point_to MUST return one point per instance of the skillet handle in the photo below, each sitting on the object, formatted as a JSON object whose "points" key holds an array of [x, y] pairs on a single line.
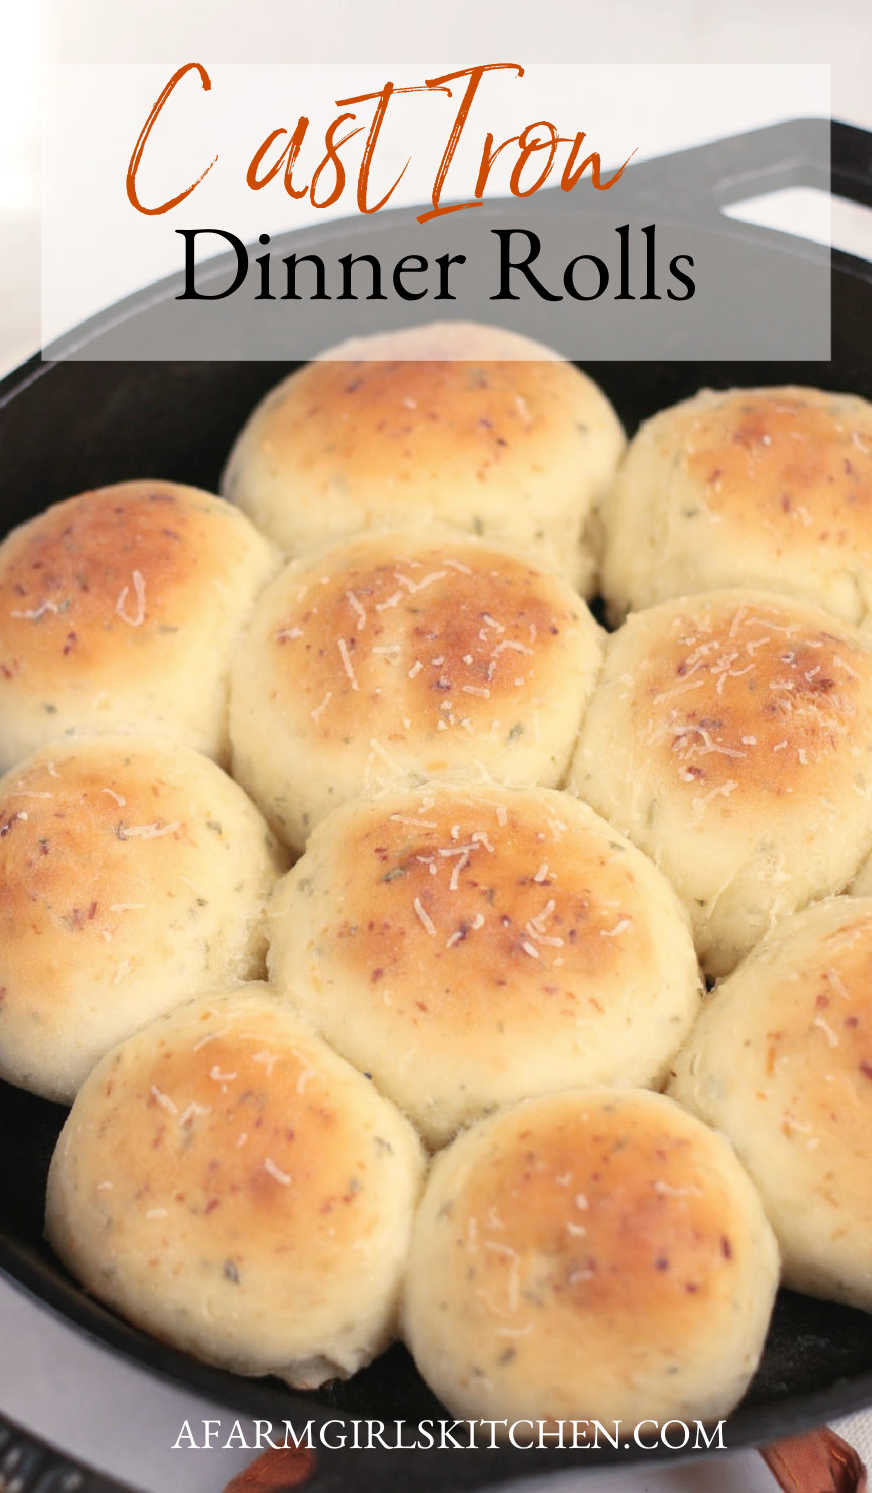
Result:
{"points": [[852, 163], [32, 1466], [699, 182]]}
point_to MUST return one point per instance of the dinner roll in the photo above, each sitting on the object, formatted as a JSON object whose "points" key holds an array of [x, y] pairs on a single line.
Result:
{"points": [[118, 610], [132, 875], [390, 655], [761, 487], [781, 1060], [861, 886], [595, 1255], [229, 1184], [472, 425], [731, 738], [470, 947]]}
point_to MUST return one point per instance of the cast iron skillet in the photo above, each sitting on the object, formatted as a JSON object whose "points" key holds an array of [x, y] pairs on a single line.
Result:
{"points": [[64, 428]]}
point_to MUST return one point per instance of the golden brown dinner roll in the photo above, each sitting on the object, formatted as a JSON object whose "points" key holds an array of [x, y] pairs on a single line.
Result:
{"points": [[781, 1060], [485, 430], [730, 737], [118, 610], [132, 875], [757, 487], [861, 886], [597, 1254], [469, 947], [393, 654], [229, 1184]]}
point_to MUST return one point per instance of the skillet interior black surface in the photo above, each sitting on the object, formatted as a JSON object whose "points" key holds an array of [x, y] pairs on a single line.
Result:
{"points": [[64, 428]]}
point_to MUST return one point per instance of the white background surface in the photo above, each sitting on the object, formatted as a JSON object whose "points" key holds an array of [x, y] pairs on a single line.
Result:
{"points": [[52, 1379], [166, 32]]}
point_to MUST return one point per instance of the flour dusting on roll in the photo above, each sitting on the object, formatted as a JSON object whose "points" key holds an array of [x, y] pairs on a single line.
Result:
{"points": [[229, 1184], [399, 654], [781, 1061], [755, 487], [132, 876], [595, 1255], [473, 426], [730, 736], [118, 612], [473, 946]]}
